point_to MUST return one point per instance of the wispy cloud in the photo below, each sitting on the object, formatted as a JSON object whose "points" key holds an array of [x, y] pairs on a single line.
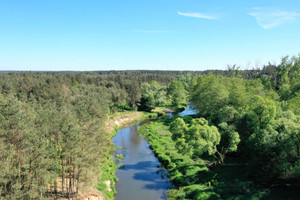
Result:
{"points": [[197, 15], [269, 18]]}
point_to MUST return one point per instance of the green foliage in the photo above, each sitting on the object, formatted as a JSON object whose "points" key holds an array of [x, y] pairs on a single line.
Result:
{"points": [[177, 93], [152, 95], [247, 124], [192, 178], [264, 108], [294, 104], [209, 95], [230, 138], [197, 138], [257, 118], [296, 169], [227, 114], [251, 120], [108, 170]]}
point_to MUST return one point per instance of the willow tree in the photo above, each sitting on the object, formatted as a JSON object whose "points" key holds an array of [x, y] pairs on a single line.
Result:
{"points": [[196, 138]]}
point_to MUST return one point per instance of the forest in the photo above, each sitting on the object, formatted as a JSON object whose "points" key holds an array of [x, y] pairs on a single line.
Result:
{"points": [[53, 137]]}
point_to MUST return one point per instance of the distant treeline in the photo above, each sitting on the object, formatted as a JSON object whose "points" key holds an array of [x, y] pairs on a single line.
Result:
{"points": [[249, 72], [232, 70]]}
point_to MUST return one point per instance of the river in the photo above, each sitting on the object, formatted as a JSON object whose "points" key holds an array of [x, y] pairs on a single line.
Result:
{"points": [[140, 176]]}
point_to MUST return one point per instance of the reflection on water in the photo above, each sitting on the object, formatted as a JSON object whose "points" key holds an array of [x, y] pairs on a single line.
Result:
{"points": [[188, 111], [139, 176]]}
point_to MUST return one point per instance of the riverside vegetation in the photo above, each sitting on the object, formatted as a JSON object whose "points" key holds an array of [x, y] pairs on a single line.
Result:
{"points": [[54, 140], [244, 143]]}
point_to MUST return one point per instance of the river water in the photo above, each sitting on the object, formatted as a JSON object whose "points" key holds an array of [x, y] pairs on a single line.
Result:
{"points": [[140, 176]]}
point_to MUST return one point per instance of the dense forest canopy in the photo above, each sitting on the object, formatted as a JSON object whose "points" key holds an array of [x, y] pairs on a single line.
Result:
{"points": [[52, 125], [246, 127]]}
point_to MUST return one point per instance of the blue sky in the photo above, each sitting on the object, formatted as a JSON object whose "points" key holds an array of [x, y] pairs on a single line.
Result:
{"points": [[146, 34]]}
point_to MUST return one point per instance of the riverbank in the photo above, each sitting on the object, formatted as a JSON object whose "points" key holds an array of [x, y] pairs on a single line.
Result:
{"points": [[122, 119]]}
